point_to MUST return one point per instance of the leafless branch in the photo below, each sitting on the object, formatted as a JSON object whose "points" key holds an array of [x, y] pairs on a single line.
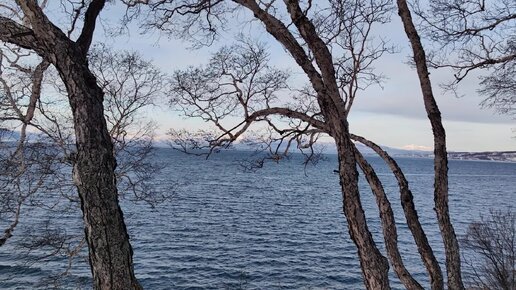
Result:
{"points": [[493, 240], [475, 36]]}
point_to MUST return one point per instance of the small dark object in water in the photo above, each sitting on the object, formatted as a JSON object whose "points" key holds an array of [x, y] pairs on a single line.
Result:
{"points": [[336, 171]]}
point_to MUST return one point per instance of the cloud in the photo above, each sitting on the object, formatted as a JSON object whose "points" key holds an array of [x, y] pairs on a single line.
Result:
{"points": [[401, 96]]}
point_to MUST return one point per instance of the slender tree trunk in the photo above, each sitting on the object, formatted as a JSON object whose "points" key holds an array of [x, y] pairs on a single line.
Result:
{"points": [[451, 245], [390, 233], [110, 253], [374, 265], [411, 216]]}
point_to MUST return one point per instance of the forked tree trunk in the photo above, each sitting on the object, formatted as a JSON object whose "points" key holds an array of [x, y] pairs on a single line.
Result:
{"points": [[374, 265], [451, 245]]}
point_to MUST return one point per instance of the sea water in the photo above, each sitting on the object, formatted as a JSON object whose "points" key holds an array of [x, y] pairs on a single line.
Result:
{"points": [[279, 227]]}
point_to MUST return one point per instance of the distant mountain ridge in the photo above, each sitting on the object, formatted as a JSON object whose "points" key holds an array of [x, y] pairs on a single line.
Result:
{"points": [[507, 156], [329, 148], [502, 156]]}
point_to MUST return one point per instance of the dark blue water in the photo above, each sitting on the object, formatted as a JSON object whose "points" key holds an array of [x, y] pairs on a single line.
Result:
{"points": [[281, 227]]}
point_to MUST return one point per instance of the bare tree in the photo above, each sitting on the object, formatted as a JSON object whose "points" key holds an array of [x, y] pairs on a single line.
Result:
{"points": [[493, 240], [25, 164], [475, 35], [238, 82], [130, 84], [24, 24]]}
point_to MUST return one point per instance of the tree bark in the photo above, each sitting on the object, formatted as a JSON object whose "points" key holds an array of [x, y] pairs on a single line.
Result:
{"points": [[390, 233], [110, 253], [451, 245], [375, 266]]}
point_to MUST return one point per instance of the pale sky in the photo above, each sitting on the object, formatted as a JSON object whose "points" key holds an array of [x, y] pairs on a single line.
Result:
{"points": [[393, 116]]}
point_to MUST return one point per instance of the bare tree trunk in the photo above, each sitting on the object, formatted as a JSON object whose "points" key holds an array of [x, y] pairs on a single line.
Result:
{"points": [[110, 253], [375, 266], [411, 216], [390, 233], [451, 245]]}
